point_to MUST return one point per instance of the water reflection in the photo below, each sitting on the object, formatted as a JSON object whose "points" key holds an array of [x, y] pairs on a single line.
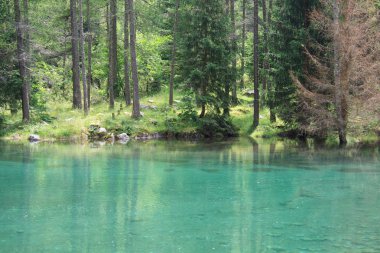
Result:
{"points": [[233, 196]]}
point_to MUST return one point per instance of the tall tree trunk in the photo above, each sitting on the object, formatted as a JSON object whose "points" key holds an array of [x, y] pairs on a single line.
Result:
{"points": [[64, 55], [113, 53], [265, 62], [83, 58], [26, 35], [77, 96], [272, 114], [243, 45], [270, 12], [233, 50], [339, 93], [227, 87], [174, 51], [136, 99], [203, 104], [22, 61], [89, 54], [127, 85], [256, 103], [108, 44]]}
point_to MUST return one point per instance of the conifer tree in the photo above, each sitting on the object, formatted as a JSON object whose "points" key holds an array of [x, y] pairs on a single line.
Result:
{"points": [[77, 96], [204, 52]]}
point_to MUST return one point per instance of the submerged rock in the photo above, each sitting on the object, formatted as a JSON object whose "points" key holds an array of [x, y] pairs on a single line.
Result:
{"points": [[122, 137], [34, 138], [146, 136]]}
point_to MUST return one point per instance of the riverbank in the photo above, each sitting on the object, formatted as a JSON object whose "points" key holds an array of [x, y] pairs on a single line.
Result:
{"points": [[60, 123]]}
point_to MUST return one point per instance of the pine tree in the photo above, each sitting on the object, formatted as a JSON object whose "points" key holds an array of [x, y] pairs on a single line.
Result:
{"points": [[256, 102], [204, 52], [77, 96], [22, 45], [83, 58], [289, 31], [136, 98], [113, 52], [243, 38], [127, 85], [174, 53], [89, 54], [233, 53]]}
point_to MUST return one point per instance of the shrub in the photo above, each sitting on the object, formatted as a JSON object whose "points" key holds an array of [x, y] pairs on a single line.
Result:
{"points": [[217, 126], [187, 108]]}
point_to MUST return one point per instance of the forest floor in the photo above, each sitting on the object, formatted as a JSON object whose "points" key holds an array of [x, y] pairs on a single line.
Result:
{"points": [[62, 123]]}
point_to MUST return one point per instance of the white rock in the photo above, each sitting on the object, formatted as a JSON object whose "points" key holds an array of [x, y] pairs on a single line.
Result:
{"points": [[102, 130], [122, 137], [34, 138]]}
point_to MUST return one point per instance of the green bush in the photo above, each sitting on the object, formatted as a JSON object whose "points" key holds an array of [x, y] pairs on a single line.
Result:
{"points": [[187, 108], [217, 126], [118, 127]]}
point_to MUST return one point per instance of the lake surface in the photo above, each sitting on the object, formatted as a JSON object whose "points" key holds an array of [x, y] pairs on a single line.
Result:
{"points": [[234, 196]]}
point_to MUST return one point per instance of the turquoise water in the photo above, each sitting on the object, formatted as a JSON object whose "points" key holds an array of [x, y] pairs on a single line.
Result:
{"points": [[159, 196]]}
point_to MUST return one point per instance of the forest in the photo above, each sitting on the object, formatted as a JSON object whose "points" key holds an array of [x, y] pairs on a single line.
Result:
{"points": [[215, 68]]}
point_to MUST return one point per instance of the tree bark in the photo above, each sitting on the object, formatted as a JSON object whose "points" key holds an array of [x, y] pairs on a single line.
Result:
{"points": [[203, 104], [227, 86], [127, 85], [22, 62], [340, 100], [83, 58], [272, 114], [174, 51], [233, 50], [256, 102], [77, 103], [243, 46], [136, 99], [113, 53], [109, 44], [270, 11], [265, 63], [89, 55], [27, 43]]}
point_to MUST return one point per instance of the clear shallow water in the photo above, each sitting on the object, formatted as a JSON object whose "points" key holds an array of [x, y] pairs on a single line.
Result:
{"points": [[187, 197]]}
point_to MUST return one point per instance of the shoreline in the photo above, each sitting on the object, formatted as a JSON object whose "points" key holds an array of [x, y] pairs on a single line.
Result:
{"points": [[192, 136]]}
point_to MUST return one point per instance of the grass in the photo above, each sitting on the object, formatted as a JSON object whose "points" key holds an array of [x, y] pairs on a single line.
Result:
{"points": [[68, 123], [65, 123]]}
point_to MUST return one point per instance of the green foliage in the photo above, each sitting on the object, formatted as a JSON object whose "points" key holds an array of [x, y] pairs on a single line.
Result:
{"points": [[48, 79], [118, 127], [10, 82], [153, 70], [288, 33], [204, 55], [187, 109], [217, 126], [377, 4], [202, 70]]}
